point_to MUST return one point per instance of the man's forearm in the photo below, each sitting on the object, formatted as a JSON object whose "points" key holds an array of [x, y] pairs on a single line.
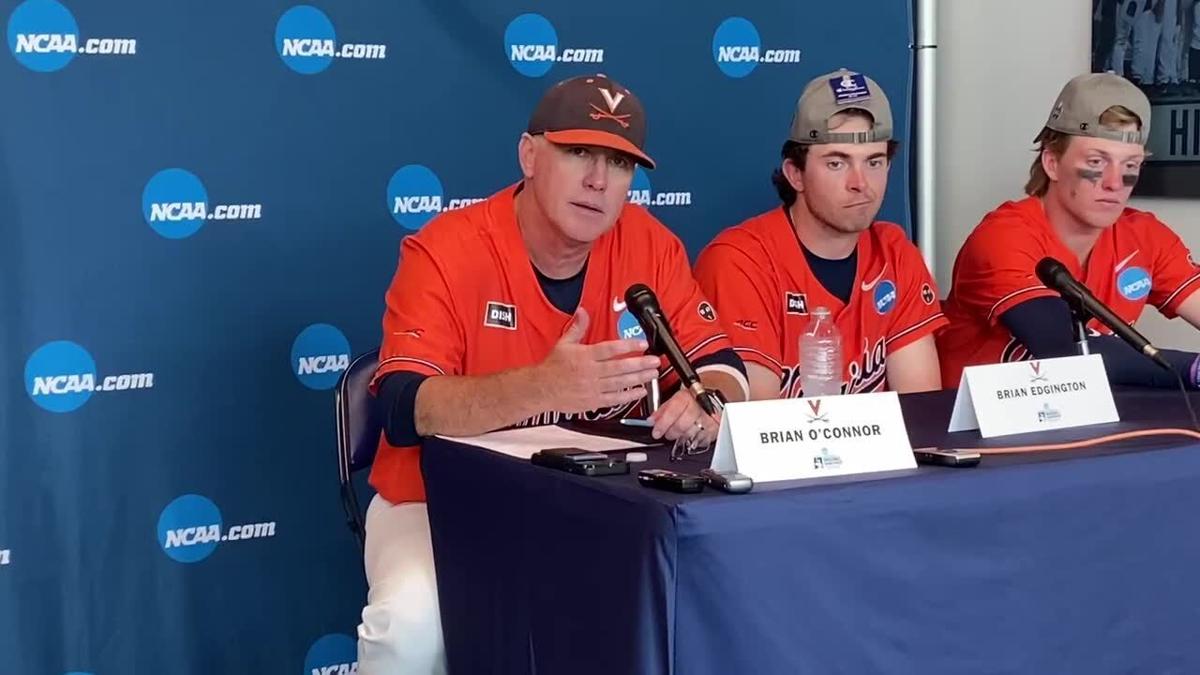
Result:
{"points": [[458, 405], [731, 388]]}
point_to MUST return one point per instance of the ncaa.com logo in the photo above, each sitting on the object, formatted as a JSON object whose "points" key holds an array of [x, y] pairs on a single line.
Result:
{"points": [[737, 48], [307, 42], [60, 376], [414, 196], [531, 44], [190, 527], [333, 654], [44, 37], [642, 194], [320, 353], [175, 205]]}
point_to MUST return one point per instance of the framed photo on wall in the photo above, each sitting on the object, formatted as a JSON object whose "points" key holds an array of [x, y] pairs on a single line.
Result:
{"points": [[1156, 45]]}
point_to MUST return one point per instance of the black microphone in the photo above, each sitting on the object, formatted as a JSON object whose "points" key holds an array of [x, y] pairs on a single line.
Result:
{"points": [[1057, 277], [643, 304]]}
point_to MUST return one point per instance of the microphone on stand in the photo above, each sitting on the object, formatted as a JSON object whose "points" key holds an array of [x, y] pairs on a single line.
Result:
{"points": [[1057, 277], [643, 304]]}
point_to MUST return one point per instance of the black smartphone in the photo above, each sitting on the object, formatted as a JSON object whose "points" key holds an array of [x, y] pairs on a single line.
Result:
{"points": [[733, 483], [947, 457], [672, 481], [579, 461]]}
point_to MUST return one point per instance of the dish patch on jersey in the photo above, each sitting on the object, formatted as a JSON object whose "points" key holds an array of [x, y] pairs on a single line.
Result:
{"points": [[500, 315], [796, 303]]}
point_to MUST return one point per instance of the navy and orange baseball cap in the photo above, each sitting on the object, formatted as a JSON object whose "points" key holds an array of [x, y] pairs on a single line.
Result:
{"points": [[593, 110]]}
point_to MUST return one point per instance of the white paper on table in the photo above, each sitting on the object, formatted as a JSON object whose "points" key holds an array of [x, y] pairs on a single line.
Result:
{"points": [[522, 443]]}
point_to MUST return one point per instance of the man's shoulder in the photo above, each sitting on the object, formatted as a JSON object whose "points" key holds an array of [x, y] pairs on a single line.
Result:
{"points": [[1021, 213], [1013, 226], [751, 236], [638, 230], [894, 244], [1145, 224], [892, 236], [462, 233]]}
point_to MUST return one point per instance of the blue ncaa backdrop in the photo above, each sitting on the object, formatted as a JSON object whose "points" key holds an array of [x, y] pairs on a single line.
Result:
{"points": [[201, 207]]}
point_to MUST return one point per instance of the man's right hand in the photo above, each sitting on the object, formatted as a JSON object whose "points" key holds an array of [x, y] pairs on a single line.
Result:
{"points": [[576, 377]]}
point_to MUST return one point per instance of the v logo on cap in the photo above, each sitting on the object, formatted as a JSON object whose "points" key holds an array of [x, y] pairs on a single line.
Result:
{"points": [[612, 101]]}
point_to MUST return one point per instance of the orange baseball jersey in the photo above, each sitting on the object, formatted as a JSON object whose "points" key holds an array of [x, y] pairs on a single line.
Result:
{"points": [[1137, 260], [760, 281], [465, 300]]}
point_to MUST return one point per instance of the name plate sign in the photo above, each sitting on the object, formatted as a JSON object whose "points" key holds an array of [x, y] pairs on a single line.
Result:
{"points": [[789, 439], [1024, 396]]}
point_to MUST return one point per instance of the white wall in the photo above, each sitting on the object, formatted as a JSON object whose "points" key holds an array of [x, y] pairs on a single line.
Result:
{"points": [[1000, 65]]}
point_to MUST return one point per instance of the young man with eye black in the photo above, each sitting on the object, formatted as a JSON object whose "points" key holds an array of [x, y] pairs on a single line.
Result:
{"points": [[1090, 153]]}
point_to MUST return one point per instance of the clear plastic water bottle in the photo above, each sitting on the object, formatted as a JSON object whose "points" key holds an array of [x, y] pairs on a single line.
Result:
{"points": [[821, 355]]}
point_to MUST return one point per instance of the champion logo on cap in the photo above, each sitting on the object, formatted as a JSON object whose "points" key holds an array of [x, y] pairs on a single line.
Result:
{"points": [[849, 88]]}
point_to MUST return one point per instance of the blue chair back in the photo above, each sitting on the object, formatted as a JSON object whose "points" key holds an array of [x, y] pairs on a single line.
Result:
{"points": [[359, 423]]}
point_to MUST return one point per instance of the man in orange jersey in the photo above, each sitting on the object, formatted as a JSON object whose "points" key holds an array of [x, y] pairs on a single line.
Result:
{"points": [[1089, 156], [511, 312], [823, 248]]}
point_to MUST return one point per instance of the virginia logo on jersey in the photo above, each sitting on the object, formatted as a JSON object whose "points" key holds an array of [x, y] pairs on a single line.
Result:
{"points": [[1134, 283]]}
